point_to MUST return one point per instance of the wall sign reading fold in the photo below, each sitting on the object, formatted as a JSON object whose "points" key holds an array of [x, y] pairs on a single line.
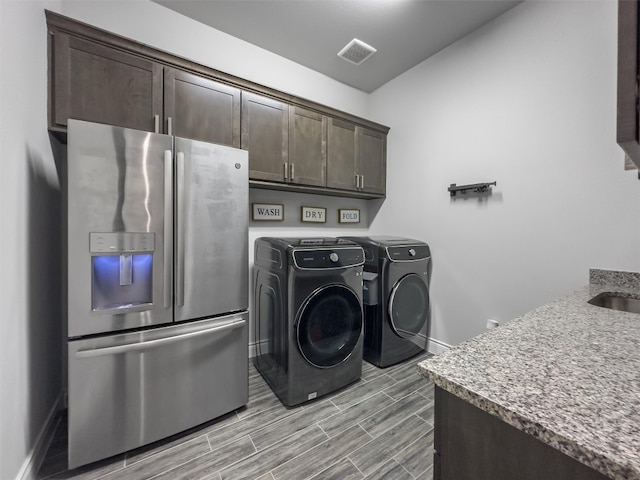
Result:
{"points": [[351, 215]]}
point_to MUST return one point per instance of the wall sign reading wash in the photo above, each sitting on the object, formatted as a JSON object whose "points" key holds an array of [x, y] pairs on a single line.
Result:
{"points": [[267, 211]]}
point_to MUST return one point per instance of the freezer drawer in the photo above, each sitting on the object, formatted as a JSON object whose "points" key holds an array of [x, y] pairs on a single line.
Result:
{"points": [[132, 389]]}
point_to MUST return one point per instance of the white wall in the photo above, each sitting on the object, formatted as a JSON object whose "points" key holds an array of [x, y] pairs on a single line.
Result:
{"points": [[529, 101], [30, 344]]}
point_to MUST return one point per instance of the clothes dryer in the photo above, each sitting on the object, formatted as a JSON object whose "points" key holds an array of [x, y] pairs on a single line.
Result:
{"points": [[308, 315], [396, 298]]}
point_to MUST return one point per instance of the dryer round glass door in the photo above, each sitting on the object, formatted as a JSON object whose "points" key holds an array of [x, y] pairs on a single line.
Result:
{"points": [[329, 325], [409, 306]]}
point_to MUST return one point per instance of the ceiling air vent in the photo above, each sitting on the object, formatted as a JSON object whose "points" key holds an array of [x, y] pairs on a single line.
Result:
{"points": [[356, 52]]}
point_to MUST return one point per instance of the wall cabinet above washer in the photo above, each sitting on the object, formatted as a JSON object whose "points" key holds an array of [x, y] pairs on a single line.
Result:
{"points": [[265, 134], [307, 147]]}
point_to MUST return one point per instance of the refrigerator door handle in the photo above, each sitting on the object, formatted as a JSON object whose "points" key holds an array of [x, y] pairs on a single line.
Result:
{"points": [[136, 347], [180, 228], [168, 226]]}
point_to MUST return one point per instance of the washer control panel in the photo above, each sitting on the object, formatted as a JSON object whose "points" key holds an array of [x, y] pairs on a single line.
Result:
{"points": [[329, 258]]}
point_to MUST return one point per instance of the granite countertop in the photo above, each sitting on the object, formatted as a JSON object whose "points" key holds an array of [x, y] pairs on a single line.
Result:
{"points": [[567, 373]]}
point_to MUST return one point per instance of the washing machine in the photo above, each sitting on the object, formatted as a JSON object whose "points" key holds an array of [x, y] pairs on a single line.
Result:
{"points": [[308, 315], [396, 298]]}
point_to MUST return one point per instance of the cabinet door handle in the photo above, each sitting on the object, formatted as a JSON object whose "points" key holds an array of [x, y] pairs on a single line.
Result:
{"points": [[169, 126], [362, 181], [291, 176], [286, 170], [156, 123], [357, 181]]}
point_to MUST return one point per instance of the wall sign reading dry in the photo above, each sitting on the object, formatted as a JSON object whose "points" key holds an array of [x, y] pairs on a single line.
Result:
{"points": [[313, 214]]}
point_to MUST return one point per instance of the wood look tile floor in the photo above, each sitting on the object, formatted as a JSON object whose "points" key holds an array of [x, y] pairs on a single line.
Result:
{"points": [[380, 427]]}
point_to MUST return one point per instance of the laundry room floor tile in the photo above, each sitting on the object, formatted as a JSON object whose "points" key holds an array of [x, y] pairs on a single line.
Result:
{"points": [[380, 427], [373, 454], [356, 413]]}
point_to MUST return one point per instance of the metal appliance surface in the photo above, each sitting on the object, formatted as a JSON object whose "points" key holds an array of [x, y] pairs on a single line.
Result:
{"points": [[115, 209], [157, 286], [396, 291], [308, 315], [135, 388]]}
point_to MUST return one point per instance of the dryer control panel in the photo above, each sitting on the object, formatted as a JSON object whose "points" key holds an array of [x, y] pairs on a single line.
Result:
{"points": [[328, 258], [408, 253]]}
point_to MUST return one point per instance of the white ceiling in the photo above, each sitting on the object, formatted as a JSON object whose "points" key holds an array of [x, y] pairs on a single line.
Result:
{"points": [[312, 32]]}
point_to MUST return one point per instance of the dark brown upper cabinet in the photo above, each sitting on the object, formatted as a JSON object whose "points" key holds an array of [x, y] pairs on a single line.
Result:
{"points": [[372, 161], [341, 155], [104, 85], [199, 108], [356, 158], [265, 134], [307, 147], [294, 144], [628, 129]]}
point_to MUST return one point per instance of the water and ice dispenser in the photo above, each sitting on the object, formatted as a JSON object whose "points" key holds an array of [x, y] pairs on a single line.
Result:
{"points": [[122, 270]]}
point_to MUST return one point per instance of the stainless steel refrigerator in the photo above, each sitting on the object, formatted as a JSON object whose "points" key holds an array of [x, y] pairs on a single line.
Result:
{"points": [[157, 286]]}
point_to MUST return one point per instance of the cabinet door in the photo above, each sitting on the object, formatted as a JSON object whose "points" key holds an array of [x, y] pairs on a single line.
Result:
{"points": [[628, 126], [307, 147], [104, 85], [201, 109], [372, 162], [341, 155], [265, 134]]}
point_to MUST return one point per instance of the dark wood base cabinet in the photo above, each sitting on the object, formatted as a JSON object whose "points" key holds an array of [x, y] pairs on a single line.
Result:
{"points": [[471, 444]]}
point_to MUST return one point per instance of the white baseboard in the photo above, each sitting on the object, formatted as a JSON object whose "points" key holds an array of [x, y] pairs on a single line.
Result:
{"points": [[34, 459], [436, 346]]}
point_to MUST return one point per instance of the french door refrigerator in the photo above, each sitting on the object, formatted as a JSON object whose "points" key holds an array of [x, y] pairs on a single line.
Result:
{"points": [[157, 286]]}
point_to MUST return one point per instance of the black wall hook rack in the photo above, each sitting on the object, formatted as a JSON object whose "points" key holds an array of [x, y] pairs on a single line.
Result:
{"points": [[475, 187]]}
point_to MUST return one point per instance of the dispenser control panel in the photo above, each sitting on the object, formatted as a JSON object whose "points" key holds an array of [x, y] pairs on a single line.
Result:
{"points": [[121, 242]]}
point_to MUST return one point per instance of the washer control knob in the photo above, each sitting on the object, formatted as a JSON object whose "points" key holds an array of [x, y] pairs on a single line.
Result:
{"points": [[412, 252], [334, 257]]}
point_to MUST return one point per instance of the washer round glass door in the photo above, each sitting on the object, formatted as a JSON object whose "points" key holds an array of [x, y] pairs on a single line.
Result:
{"points": [[329, 325], [409, 306]]}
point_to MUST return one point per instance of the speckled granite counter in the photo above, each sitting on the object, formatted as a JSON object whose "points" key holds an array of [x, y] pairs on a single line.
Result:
{"points": [[567, 373]]}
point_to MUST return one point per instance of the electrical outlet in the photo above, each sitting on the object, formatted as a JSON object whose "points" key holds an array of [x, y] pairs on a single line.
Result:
{"points": [[492, 324]]}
